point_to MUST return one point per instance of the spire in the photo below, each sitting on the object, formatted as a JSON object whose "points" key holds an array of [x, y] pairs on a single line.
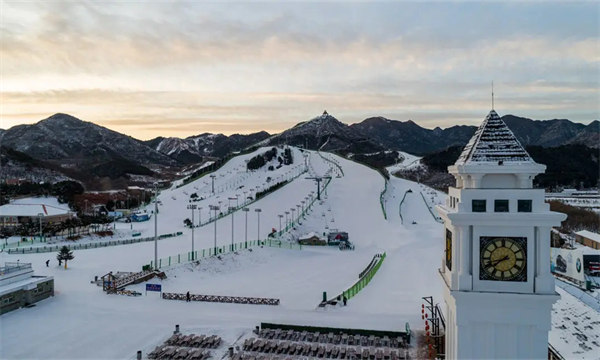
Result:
{"points": [[493, 142], [492, 94]]}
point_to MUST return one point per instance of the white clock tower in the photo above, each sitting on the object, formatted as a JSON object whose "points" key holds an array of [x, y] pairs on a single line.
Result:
{"points": [[496, 270]]}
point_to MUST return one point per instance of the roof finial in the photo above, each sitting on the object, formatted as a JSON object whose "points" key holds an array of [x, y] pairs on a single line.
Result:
{"points": [[492, 94]]}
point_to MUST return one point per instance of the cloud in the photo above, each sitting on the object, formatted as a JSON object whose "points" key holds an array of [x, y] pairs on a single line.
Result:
{"points": [[239, 68]]}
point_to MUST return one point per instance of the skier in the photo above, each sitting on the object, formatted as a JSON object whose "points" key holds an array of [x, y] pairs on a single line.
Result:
{"points": [[188, 297], [345, 300], [59, 262], [47, 263]]}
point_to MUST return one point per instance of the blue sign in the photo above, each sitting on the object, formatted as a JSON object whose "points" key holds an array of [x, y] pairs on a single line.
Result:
{"points": [[153, 287]]}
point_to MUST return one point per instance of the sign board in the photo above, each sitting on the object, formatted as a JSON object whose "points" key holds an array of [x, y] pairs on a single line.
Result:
{"points": [[153, 287], [568, 263]]}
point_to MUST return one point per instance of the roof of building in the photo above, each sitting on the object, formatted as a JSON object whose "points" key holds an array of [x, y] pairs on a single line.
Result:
{"points": [[590, 235], [493, 142], [31, 210]]}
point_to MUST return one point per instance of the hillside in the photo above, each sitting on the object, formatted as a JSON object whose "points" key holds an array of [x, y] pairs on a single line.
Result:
{"points": [[572, 166], [410, 137]]}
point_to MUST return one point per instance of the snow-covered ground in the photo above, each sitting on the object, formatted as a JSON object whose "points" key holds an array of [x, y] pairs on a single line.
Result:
{"points": [[80, 321], [406, 161], [575, 328]]}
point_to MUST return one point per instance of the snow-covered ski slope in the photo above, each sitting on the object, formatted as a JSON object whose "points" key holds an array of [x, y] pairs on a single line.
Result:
{"points": [[80, 321]]}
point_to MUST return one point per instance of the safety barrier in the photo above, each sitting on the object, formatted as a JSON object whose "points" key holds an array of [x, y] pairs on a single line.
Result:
{"points": [[436, 218], [222, 299], [53, 248], [332, 162], [400, 206], [187, 257], [365, 280], [381, 201]]}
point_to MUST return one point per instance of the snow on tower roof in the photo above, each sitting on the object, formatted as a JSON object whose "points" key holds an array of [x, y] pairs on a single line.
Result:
{"points": [[493, 142]]}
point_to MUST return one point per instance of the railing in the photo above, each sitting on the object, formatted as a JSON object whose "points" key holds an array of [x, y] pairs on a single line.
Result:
{"points": [[400, 206], [13, 266], [365, 279], [45, 249], [436, 218], [331, 161], [381, 201], [188, 257]]}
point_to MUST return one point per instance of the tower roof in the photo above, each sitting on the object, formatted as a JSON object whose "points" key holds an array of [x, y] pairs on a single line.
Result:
{"points": [[493, 142]]}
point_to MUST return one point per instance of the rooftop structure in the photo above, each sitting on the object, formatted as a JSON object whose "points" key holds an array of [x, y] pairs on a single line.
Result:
{"points": [[493, 142]]}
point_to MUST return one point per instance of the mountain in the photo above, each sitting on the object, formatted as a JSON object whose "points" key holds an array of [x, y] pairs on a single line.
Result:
{"points": [[409, 137], [98, 157], [66, 139], [327, 133], [195, 148]]}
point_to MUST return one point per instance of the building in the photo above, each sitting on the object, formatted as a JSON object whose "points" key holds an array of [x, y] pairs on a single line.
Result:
{"points": [[20, 287], [311, 239], [498, 288], [588, 238], [16, 214]]}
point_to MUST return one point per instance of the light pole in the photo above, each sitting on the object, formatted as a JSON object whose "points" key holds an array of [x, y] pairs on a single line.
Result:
{"points": [[302, 202], [258, 227], [298, 212], [232, 213], [292, 219], [200, 216], [215, 208], [246, 237], [40, 216], [192, 207], [286, 219], [280, 216], [213, 176], [155, 225]]}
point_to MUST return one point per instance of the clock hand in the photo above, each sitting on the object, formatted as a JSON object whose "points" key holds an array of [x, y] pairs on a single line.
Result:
{"points": [[496, 262]]}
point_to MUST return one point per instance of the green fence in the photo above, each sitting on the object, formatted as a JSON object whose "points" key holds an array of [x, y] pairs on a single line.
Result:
{"points": [[381, 195], [400, 206], [204, 253], [364, 280], [95, 245]]}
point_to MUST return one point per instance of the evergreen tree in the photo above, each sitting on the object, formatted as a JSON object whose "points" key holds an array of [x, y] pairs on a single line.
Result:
{"points": [[64, 255]]}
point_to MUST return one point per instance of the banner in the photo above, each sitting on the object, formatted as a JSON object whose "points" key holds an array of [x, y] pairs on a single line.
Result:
{"points": [[568, 263]]}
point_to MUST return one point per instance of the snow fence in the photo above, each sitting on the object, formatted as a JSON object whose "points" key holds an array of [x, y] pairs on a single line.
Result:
{"points": [[84, 246], [364, 278], [190, 256]]}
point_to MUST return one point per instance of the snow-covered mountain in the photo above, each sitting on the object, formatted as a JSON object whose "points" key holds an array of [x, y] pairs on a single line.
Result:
{"points": [[195, 148], [67, 139], [327, 133]]}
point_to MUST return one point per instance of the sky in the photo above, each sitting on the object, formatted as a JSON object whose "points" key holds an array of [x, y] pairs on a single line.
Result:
{"points": [[170, 68]]}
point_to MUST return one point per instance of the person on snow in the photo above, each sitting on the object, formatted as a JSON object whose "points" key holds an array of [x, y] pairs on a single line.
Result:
{"points": [[47, 263], [188, 297]]}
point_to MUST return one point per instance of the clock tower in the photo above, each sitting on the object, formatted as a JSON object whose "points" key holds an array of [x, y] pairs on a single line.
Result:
{"points": [[498, 288]]}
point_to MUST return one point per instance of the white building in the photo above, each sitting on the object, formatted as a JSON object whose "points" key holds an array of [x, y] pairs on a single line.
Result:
{"points": [[15, 214], [496, 275]]}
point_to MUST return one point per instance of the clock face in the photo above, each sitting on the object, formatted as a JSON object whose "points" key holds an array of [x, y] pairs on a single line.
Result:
{"points": [[503, 258]]}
